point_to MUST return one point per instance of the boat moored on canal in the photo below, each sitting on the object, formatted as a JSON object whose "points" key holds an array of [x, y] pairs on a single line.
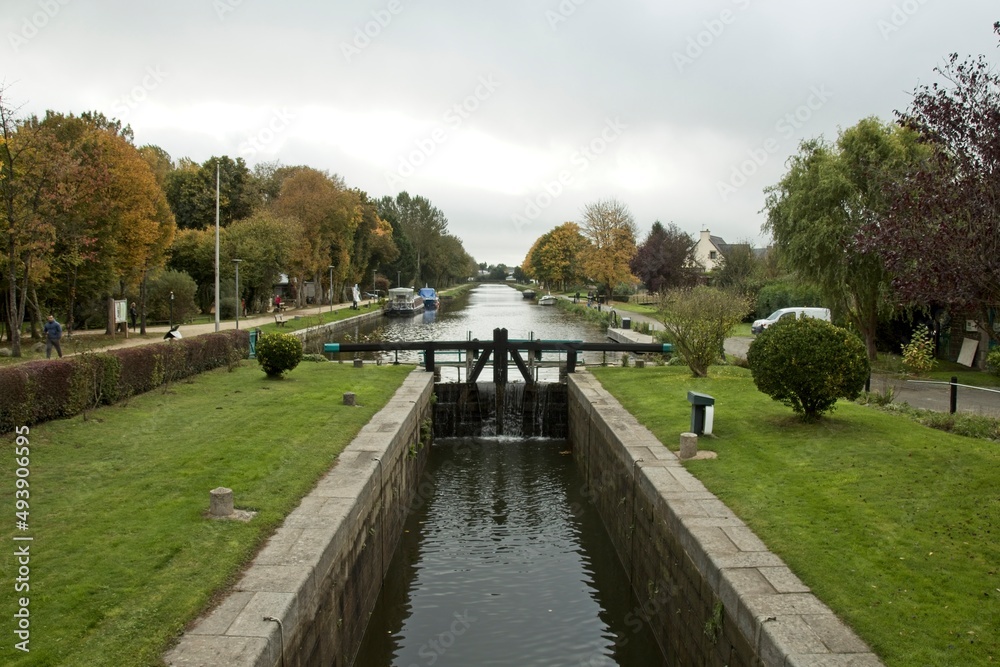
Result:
{"points": [[403, 302]]}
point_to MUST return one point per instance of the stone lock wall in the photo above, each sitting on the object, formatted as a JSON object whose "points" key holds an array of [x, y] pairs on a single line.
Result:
{"points": [[710, 589], [319, 575]]}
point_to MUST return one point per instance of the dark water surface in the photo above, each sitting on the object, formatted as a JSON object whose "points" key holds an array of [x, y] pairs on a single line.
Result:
{"points": [[505, 562]]}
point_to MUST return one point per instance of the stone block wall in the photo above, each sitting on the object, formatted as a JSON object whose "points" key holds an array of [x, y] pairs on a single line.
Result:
{"points": [[319, 575], [710, 589]]}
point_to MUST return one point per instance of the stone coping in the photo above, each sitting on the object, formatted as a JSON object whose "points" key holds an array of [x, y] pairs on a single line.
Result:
{"points": [[777, 614]]}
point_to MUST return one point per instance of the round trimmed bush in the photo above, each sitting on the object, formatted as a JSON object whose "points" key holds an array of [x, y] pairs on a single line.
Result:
{"points": [[808, 364], [278, 352]]}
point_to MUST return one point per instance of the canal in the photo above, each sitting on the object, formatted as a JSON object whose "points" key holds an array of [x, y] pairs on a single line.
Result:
{"points": [[475, 314], [503, 561]]}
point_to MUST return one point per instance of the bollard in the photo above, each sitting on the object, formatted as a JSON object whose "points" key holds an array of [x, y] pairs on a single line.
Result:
{"points": [[358, 363], [220, 501], [349, 398], [689, 446]]}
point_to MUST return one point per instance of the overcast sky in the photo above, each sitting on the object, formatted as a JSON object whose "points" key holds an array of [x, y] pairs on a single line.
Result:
{"points": [[509, 116]]}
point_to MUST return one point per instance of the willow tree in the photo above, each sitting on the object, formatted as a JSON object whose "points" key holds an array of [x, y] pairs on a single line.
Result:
{"points": [[817, 212]]}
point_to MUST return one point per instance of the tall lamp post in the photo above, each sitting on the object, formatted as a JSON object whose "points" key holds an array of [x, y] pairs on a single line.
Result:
{"points": [[171, 309], [331, 287], [237, 263], [374, 291]]}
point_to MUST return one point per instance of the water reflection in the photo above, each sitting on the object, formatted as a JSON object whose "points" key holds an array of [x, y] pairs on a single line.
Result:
{"points": [[505, 563], [476, 313]]}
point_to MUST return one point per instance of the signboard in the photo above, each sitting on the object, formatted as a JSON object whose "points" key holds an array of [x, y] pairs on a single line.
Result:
{"points": [[967, 356], [121, 311]]}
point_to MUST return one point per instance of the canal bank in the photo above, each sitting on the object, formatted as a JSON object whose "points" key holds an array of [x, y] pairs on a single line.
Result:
{"points": [[708, 587]]}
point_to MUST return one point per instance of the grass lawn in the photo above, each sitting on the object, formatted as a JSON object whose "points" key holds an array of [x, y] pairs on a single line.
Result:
{"points": [[122, 556], [894, 525]]}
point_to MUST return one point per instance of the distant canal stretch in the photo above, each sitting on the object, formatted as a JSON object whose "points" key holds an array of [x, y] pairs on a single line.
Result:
{"points": [[476, 313], [505, 563]]}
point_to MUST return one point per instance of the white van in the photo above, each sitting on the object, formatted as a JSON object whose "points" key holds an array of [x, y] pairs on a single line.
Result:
{"points": [[818, 313]]}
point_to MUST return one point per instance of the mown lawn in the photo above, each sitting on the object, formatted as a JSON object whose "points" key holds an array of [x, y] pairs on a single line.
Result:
{"points": [[123, 556], [894, 525]]}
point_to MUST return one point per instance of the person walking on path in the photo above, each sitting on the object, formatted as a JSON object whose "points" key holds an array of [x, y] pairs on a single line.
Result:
{"points": [[53, 332], [133, 314]]}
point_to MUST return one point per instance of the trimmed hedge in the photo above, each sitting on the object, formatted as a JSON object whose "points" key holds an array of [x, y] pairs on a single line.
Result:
{"points": [[38, 391]]}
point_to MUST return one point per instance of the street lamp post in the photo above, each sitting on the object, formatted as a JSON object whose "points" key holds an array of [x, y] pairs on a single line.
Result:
{"points": [[331, 287], [171, 309], [374, 291], [237, 263]]}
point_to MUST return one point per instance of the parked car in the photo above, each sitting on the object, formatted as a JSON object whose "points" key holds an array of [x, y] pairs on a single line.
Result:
{"points": [[819, 313]]}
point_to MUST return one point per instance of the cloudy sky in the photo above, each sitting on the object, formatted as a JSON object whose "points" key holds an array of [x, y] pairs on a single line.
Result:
{"points": [[509, 116]]}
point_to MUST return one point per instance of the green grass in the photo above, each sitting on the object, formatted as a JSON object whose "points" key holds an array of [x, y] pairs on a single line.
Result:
{"points": [[122, 556], [894, 525]]}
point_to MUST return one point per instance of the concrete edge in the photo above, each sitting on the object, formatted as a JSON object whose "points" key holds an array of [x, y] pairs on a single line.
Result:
{"points": [[775, 612], [283, 581]]}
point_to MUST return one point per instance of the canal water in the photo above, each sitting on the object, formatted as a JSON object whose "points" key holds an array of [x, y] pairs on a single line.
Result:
{"points": [[504, 562], [475, 314]]}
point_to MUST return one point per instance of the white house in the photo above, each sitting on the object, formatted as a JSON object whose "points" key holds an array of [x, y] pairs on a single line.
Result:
{"points": [[710, 250]]}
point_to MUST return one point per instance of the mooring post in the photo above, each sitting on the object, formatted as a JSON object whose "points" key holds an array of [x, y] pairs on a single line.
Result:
{"points": [[953, 407], [429, 360]]}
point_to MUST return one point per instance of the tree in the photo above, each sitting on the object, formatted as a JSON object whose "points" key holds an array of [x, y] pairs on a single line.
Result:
{"points": [[697, 321], [557, 257], [664, 258], [817, 212], [190, 190], [611, 229], [941, 235], [265, 243], [29, 171], [807, 364]]}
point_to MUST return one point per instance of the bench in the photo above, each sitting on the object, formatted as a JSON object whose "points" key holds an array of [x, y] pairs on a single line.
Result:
{"points": [[279, 319]]}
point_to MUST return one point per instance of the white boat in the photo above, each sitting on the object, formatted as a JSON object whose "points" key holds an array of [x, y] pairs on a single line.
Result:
{"points": [[403, 302], [547, 300]]}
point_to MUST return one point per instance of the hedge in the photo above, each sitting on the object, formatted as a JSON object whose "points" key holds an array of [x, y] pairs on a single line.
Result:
{"points": [[38, 391]]}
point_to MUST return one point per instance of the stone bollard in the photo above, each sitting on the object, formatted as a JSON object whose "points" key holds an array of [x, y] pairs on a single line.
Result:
{"points": [[689, 446], [640, 363], [349, 398], [220, 501], [358, 363]]}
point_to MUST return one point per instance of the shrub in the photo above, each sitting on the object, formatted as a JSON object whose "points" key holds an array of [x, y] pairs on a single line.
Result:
{"points": [[278, 353], [807, 364], [993, 361], [697, 321], [918, 354]]}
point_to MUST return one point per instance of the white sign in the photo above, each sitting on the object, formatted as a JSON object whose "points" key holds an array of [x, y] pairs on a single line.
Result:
{"points": [[968, 354]]}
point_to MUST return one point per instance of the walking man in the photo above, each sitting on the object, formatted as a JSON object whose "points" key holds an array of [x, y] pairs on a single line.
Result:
{"points": [[53, 332]]}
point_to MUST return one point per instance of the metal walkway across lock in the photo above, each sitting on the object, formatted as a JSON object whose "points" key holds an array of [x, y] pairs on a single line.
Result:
{"points": [[501, 350]]}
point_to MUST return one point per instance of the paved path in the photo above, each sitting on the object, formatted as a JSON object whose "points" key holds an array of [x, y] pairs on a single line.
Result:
{"points": [[155, 334]]}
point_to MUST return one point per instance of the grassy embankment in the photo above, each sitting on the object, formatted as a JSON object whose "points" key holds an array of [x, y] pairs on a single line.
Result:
{"points": [[123, 556], [892, 524]]}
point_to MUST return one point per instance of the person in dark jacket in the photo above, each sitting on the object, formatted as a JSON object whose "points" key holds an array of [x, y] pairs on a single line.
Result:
{"points": [[53, 332]]}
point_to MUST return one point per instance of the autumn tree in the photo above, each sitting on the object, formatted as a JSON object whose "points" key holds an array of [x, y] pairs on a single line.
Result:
{"points": [[423, 224], [266, 244], [557, 256], [817, 212], [611, 229], [940, 236], [665, 258], [29, 171]]}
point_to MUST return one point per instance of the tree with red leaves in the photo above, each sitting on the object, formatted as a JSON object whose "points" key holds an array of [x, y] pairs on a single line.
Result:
{"points": [[941, 235]]}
